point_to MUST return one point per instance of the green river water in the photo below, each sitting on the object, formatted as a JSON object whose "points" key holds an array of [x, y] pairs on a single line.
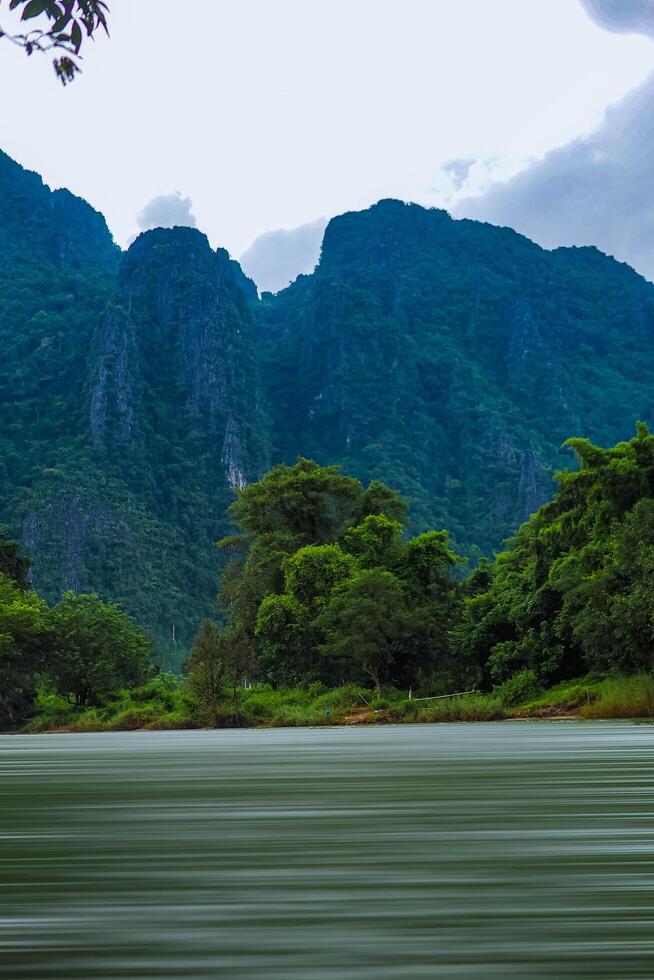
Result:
{"points": [[517, 849]]}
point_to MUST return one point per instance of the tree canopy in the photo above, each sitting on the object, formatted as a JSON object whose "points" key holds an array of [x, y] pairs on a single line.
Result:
{"points": [[574, 591], [82, 647], [324, 587]]}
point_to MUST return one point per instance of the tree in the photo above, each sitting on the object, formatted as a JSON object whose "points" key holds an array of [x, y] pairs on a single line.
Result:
{"points": [[285, 625], [98, 649], [289, 508], [314, 560], [573, 591], [363, 627], [218, 664], [60, 25], [427, 560], [313, 573], [286, 643], [13, 564], [24, 647], [377, 499], [375, 542], [310, 503], [206, 669]]}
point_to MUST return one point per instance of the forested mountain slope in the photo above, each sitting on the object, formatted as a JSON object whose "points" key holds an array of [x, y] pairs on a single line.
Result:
{"points": [[448, 358], [452, 358], [130, 410]]}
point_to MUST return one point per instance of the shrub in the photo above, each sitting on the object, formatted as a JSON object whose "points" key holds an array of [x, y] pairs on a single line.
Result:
{"points": [[523, 686]]}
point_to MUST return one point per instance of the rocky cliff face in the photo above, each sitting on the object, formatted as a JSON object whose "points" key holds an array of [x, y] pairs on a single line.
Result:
{"points": [[178, 345]]}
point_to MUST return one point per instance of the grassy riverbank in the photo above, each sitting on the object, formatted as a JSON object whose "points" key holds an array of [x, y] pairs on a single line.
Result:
{"points": [[164, 703]]}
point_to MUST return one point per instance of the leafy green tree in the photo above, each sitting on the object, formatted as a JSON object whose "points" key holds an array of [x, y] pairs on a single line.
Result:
{"points": [[98, 649], [363, 627], [427, 561], [297, 583], [286, 623], [206, 669], [378, 499], [218, 665], [286, 641], [375, 542], [24, 647], [310, 504], [289, 508], [59, 25], [312, 573], [573, 590], [13, 564]]}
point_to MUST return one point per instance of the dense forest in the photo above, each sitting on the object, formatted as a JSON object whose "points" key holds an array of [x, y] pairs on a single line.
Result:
{"points": [[140, 390], [326, 600]]}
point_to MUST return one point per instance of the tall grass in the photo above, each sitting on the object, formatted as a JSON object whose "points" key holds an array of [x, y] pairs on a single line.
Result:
{"points": [[468, 707], [622, 697]]}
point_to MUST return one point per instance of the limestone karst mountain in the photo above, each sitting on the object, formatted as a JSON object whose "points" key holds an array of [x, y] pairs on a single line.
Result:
{"points": [[138, 391]]}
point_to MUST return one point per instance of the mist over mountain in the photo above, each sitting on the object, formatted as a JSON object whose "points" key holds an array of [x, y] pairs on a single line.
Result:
{"points": [[139, 391]]}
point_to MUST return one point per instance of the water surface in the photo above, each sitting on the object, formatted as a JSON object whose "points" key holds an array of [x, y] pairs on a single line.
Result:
{"points": [[460, 851]]}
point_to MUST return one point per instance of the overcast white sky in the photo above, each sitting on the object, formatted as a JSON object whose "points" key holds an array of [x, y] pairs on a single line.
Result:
{"points": [[270, 113]]}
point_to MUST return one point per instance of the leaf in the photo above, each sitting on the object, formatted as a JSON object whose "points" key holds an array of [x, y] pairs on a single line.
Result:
{"points": [[76, 36], [65, 69], [34, 8], [60, 23]]}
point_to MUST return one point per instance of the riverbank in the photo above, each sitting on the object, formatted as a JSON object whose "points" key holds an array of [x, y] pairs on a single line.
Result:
{"points": [[164, 704]]}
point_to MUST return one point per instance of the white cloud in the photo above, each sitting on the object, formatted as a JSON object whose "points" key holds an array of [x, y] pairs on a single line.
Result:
{"points": [[276, 258], [167, 211], [597, 189]]}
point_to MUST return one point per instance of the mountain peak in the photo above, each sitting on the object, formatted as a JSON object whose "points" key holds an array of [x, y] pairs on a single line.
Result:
{"points": [[55, 225]]}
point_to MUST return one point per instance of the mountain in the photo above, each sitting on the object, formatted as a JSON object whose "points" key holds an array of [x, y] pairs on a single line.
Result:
{"points": [[129, 406], [139, 390], [452, 358]]}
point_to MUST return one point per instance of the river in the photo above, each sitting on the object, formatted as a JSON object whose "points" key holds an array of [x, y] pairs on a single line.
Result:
{"points": [[511, 849]]}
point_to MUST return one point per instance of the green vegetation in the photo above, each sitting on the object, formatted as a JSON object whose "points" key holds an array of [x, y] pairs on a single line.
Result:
{"points": [[575, 589], [323, 588], [138, 391], [141, 394], [308, 629], [451, 359], [82, 650], [167, 703]]}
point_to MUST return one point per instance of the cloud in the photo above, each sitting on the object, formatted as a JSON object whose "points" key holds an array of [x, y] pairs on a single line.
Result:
{"points": [[623, 16], [596, 190], [167, 211], [276, 258], [458, 171]]}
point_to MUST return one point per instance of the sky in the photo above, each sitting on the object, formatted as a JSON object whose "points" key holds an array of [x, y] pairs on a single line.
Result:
{"points": [[597, 189], [245, 116]]}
